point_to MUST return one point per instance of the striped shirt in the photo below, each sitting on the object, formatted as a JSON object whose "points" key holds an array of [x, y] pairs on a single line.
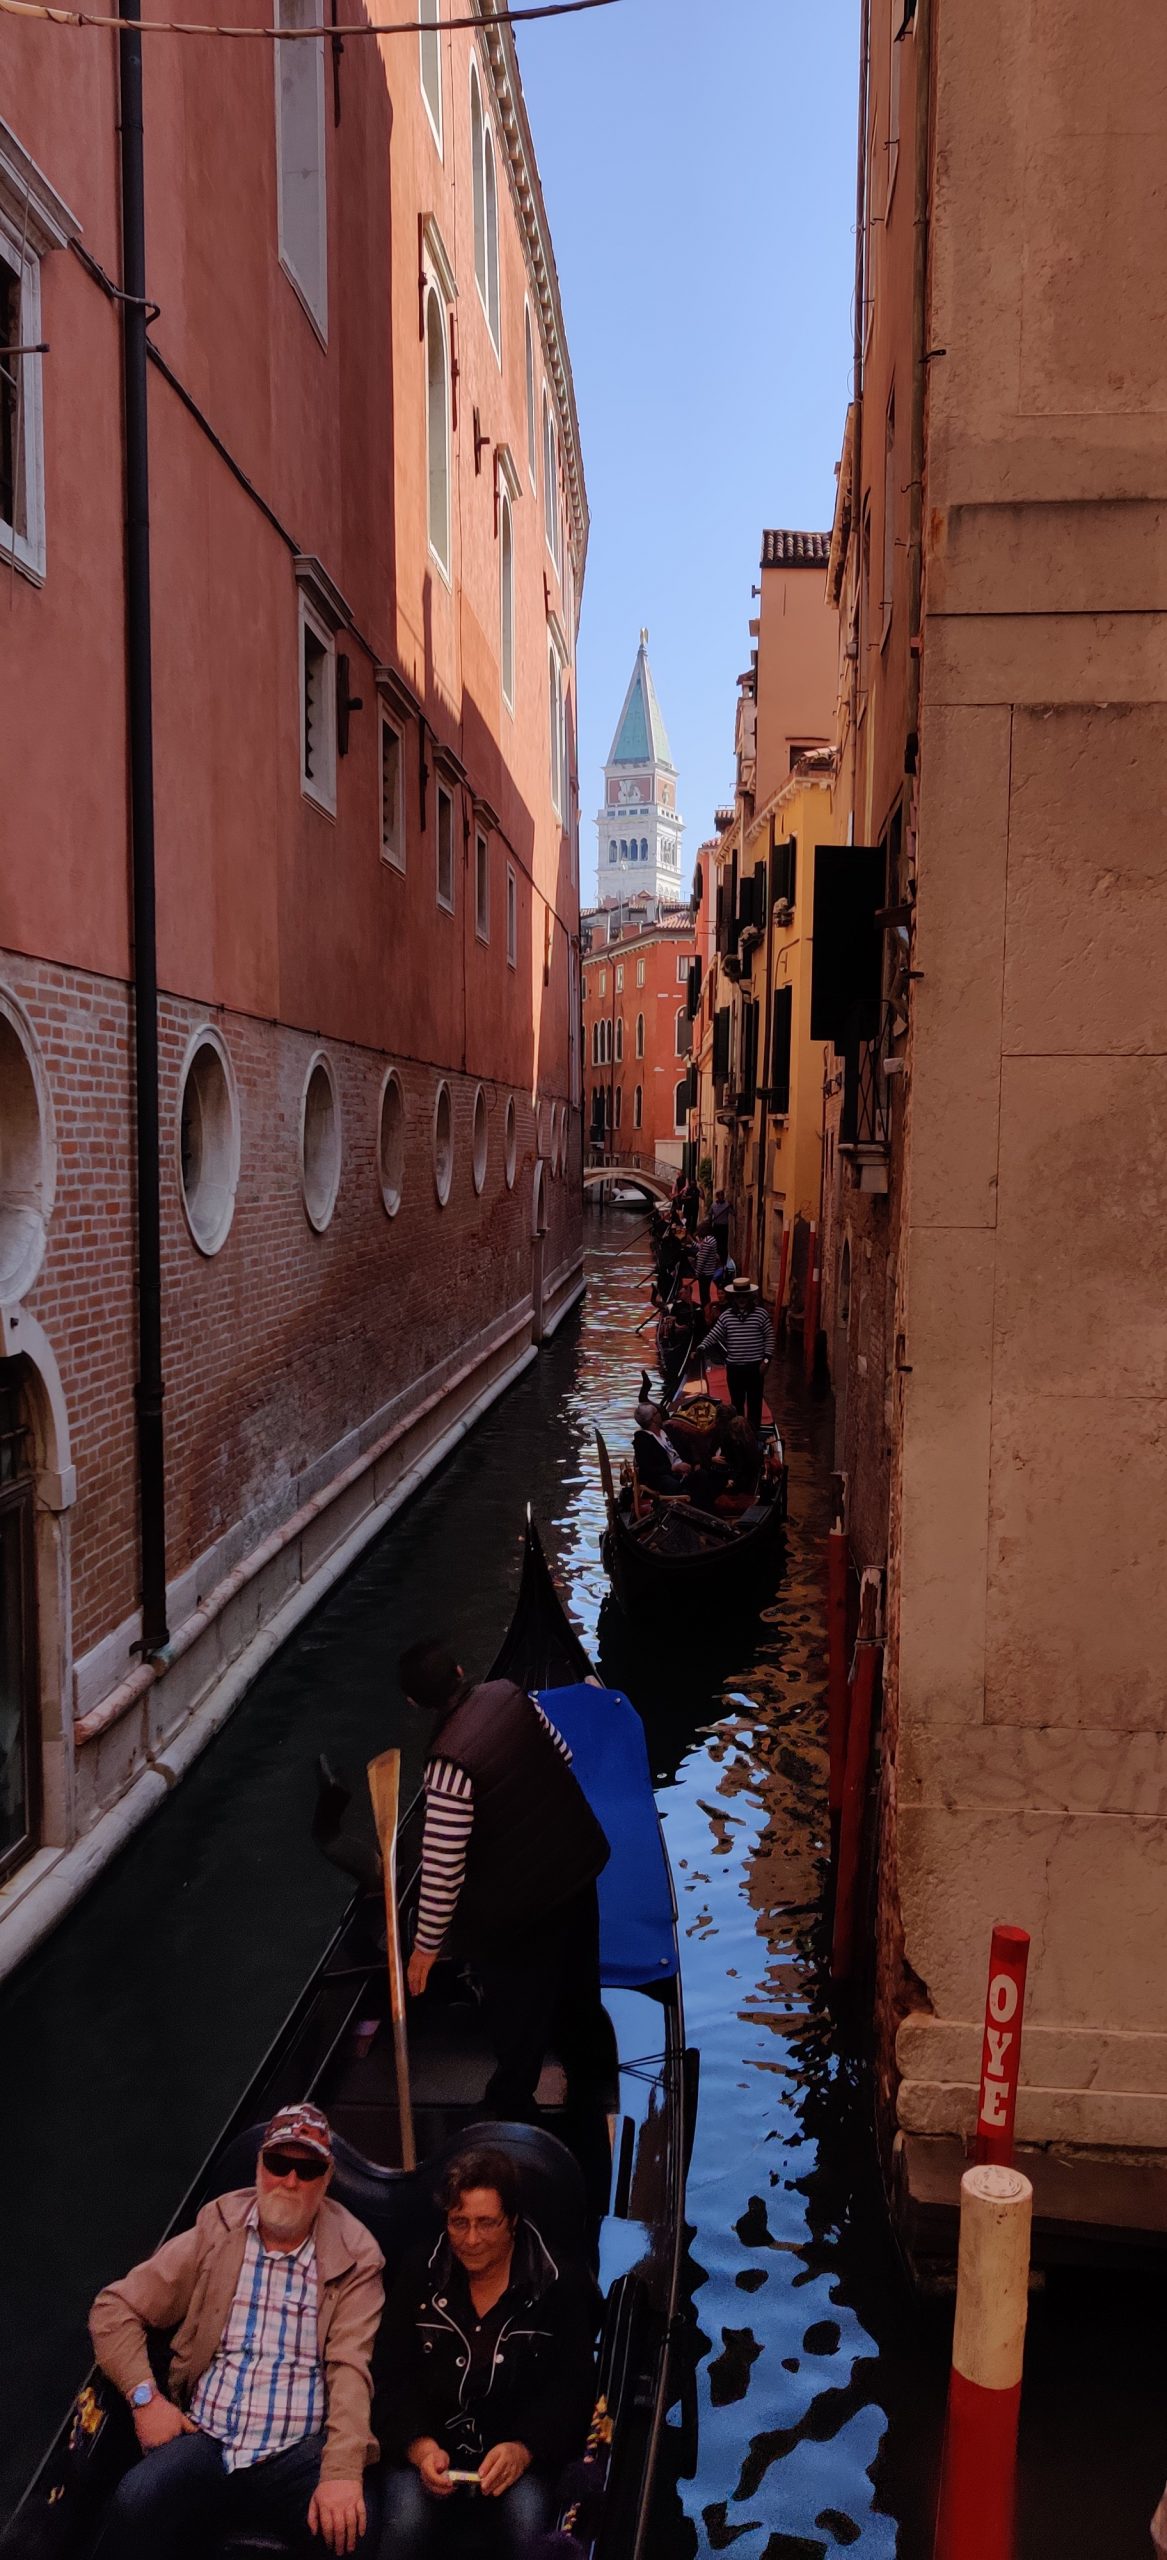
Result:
{"points": [[449, 1820], [263, 2389], [743, 1341]]}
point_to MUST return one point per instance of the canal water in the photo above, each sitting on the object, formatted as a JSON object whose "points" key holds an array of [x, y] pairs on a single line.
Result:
{"points": [[819, 2379]]}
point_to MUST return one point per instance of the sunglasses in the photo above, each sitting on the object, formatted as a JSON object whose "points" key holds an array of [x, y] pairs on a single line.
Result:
{"points": [[292, 2164]]}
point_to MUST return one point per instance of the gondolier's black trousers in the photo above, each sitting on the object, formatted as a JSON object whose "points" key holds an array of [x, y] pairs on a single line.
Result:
{"points": [[745, 1386], [542, 1990]]}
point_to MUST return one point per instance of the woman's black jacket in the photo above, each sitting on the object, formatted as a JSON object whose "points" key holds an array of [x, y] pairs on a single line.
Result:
{"points": [[536, 2386]]}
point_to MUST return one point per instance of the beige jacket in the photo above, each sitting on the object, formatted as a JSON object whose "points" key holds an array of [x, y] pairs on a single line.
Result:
{"points": [[189, 2283]]}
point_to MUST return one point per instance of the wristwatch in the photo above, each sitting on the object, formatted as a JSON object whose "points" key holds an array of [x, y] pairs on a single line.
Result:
{"points": [[141, 2395]]}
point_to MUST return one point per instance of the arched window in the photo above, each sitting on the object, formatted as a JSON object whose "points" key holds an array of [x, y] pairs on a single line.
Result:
{"points": [[506, 571], [431, 65], [640, 1035], [644, 848], [550, 491], [623, 850], [683, 1033], [478, 182], [438, 428], [612, 849], [555, 721], [492, 298], [620, 1040], [681, 1104], [529, 355], [638, 1107], [595, 1044]]}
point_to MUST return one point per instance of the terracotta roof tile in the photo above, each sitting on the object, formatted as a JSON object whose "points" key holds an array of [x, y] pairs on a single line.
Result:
{"points": [[782, 550]]}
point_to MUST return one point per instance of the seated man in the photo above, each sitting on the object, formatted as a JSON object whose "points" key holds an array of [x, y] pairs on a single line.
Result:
{"points": [[657, 1464], [276, 2296], [489, 2365]]}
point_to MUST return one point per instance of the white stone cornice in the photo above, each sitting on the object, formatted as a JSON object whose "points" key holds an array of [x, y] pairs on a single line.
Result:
{"points": [[515, 131]]}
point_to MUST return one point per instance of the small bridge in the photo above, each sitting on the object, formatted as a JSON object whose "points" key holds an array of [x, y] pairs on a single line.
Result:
{"points": [[654, 1182]]}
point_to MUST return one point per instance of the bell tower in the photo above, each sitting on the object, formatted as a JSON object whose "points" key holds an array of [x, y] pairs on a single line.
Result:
{"points": [[638, 830]]}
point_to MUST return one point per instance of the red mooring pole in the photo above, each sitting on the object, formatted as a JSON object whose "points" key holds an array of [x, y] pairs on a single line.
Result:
{"points": [[836, 1681], [1001, 2048], [860, 1710], [977, 2487], [978, 2481]]}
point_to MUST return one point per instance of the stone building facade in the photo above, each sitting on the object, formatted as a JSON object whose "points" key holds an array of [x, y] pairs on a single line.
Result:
{"points": [[637, 1033], [369, 527], [991, 1309]]}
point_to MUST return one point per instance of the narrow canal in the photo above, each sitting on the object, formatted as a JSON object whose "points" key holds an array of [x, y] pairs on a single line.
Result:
{"points": [[820, 2381]]}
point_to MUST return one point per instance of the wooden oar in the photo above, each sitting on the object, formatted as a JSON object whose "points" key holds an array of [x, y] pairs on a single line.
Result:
{"points": [[384, 1775]]}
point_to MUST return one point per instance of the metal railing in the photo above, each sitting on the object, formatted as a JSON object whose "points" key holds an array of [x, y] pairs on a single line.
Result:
{"points": [[866, 1114]]}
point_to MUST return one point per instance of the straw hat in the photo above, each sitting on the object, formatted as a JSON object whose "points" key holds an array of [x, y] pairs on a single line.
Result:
{"points": [[741, 1288]]}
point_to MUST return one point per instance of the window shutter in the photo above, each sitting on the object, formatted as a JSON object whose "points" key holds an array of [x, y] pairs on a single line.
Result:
{"points": [[761, 885], [780, 1049], [847, 961], [722, 1021], [694, 989], [783, 871], [748, 1081]]}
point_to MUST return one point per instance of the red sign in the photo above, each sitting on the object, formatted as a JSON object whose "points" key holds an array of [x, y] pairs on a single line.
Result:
{"points": [[1001, 2051]]}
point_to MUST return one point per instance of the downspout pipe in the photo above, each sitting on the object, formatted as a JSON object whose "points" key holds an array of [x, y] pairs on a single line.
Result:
{"points": [[149, 1390]]}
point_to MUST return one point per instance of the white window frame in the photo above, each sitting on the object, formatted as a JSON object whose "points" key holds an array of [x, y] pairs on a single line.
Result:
{"points": [[492, 304], [683, 1029], [305, 60], [436, 304], [320, 789], [34, 220], [640, 973], [506, 595], [393, 841], [682, 970], [481, 876], [550, 479], [680, 1119], [447, 905], [484, 192], [431, 34], [512, 918], [555, 726], [532, 422], [619, 977]]}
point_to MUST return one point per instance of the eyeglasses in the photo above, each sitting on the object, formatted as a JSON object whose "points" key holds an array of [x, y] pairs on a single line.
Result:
{"points": [[462, 2226], [292, 2164]]}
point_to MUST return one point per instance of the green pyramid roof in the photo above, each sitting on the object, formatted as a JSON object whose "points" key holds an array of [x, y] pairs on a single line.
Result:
{"points": [[641, 736]]}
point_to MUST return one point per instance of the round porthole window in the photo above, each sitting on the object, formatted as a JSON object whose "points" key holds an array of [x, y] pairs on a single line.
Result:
{"points": [[478, 1157], [320, 1143], [443, 1144], [208, 1140], [391, 1144], [510, 1145], [27, 1156]]}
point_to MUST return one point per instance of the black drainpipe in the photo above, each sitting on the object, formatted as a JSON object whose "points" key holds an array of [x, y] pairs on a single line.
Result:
{"points": [[140, 723]]}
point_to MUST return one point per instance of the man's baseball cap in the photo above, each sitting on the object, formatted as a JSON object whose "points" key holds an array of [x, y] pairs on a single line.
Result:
{"points": [[301, 2127]]}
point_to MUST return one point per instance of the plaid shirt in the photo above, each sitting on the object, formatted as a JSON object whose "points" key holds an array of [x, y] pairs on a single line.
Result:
{"points": [[264, 2388]]}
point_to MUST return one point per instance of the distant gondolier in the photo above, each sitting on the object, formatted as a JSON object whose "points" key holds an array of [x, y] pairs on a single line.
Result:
{"points": [[510, 1855], [744, 1338], [719, 1217]]}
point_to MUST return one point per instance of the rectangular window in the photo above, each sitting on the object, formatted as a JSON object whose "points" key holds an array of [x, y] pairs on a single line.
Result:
{"points": [[619, 977], [682, 971], [445, 850], [482, 888], [392, 797], [429, 13], [640, 973], [22, 526], [889, 512], [780, 1049], [317, 711], [512, 918], [603, 988], [300, 161]]}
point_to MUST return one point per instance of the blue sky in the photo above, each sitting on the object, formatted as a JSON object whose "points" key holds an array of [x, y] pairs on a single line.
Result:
{"points": [[698, 162]]}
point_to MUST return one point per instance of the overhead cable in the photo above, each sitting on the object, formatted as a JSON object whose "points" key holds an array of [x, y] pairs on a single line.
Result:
{"points": [[44, 9]]}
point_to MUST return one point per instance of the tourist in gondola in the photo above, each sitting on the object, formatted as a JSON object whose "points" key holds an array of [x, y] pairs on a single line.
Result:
{"points": [[510, 1854], [659, 1468], [276, 2296], [744, 1338], [739, 1454], [488, 2354]]}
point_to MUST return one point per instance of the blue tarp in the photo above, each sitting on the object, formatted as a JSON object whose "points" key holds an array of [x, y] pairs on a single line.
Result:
{"points": [[606, 1739]]}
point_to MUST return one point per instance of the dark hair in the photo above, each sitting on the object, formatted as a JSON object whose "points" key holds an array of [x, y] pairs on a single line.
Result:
{"points": [[428, 1673], [485, 2168]]}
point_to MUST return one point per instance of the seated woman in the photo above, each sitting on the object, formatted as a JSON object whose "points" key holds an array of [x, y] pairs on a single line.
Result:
{"points": [[487, 2352], [742, 1458]]}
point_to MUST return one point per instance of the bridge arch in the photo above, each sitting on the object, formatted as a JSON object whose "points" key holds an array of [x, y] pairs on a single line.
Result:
{"points": [[643, 1178]]}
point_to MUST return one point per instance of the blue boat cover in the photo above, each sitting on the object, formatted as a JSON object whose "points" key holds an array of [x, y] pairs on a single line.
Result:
{"points": [[606, 1739]]}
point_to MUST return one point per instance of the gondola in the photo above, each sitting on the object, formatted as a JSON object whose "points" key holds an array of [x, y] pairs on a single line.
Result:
{"points": [[675, 1559], [336, 2048]]}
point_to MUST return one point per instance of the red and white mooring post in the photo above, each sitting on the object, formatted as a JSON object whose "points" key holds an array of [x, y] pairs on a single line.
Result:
{"points": [[1001, 2048], [975, 2516]]}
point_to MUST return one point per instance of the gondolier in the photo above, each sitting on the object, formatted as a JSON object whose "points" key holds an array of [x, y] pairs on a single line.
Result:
{"points": [[744, 1338], [510, 1855]]}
